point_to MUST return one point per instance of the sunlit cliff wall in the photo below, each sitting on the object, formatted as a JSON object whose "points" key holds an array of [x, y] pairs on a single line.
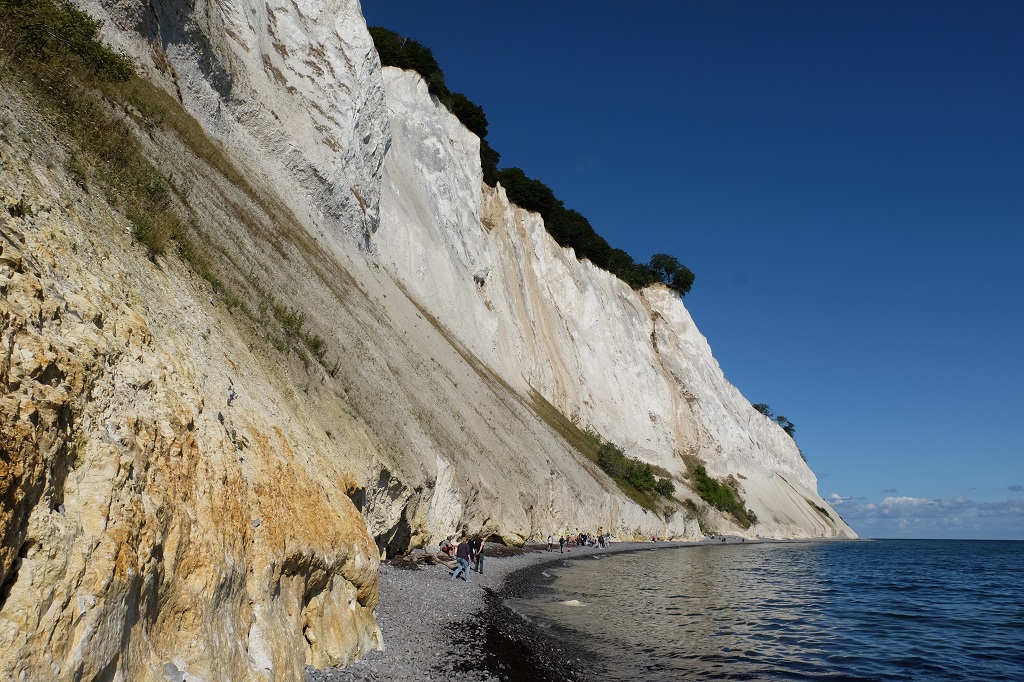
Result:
{"points": [[186, 490], [630, 365]]}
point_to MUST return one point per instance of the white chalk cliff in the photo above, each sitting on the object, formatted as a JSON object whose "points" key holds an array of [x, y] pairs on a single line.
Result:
{"points": [[406, 353]]}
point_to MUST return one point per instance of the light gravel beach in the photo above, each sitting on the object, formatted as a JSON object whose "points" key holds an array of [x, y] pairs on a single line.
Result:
{"points": [[438, 629]]}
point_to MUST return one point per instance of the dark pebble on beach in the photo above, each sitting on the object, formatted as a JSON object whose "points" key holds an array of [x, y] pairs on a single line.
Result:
{"points": [[499, 642], [438, 629]]}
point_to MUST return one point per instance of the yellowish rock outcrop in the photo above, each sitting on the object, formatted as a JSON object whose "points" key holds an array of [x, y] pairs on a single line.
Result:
{"points": [[148, 527]]}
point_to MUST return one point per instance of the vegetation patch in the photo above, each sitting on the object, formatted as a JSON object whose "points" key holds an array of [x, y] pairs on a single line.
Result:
{"points": [[723, 496], [786, 425], [18, 209], [698, 513], [405, 53], [817, 507], [52, 52], [640, 475], [293, 321], [592, 446]]}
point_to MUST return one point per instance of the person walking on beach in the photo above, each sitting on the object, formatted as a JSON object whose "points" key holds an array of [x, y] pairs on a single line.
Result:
{"points": [[561, 545], [551, 541], [462, 555], [478, 554]]}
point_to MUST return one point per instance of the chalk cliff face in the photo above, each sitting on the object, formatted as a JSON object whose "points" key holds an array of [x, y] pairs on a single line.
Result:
{"points": [[198, 475], [631, 365]]}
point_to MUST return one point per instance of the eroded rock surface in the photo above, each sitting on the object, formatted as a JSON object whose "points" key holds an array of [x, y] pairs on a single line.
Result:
{"points": [[630, 365], [146, 525], [198, 476]]}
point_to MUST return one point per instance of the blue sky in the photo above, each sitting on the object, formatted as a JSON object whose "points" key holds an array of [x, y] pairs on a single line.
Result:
{"points": [[845, 179]]}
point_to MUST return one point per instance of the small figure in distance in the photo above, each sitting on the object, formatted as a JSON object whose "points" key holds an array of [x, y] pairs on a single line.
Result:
{"points": [[447, 547], [551, 541], [561, 545]]}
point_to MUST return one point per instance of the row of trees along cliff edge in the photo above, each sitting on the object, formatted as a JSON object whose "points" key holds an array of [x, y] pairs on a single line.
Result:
{"points": [[568, 227], [786, 425]]}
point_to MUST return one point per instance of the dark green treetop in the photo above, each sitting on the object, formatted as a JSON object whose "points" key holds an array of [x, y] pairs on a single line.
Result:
{"points": [[568, 227]]}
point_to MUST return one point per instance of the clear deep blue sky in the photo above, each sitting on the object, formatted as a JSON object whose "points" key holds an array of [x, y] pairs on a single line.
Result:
{"points": [[845, 179]]}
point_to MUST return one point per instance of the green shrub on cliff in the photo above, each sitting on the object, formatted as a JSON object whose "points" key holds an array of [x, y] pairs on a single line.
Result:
{"points": [[665, 487], [786, 425], [674, 274], [489, 158], [55, 35], [472, 115], [406, 53], [721, 496], [637, 474], [55, 50]]}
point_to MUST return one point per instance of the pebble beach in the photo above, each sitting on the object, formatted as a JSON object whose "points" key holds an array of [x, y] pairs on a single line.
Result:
{"points": [[438, 629]]}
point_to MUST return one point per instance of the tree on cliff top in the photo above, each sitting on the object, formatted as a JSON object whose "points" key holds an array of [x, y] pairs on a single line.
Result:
{"points": [[568, 227], [673, 274], [786, 425], [406, 53]]}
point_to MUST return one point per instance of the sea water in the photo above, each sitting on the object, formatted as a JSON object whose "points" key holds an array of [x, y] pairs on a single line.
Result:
{"points": [[874, 610]]}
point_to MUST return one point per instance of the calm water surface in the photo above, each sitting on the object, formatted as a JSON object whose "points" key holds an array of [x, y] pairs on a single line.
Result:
{"points": [[882, 610]]}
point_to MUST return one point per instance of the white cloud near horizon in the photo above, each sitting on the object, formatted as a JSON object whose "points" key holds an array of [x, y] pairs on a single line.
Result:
{"points": [[1005, 508], [926, 518]]}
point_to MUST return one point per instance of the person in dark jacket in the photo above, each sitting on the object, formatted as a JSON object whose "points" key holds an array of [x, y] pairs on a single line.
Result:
{"points": [[463, 553], [478, 553]]}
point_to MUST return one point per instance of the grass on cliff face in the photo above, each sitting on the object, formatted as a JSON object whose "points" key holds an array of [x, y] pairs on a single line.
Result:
{"points": [[590, 444], [698, 513], [722, 495], [51, 51], [818, 508]]}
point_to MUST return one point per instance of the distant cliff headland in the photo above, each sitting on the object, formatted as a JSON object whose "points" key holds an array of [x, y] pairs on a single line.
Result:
{"points": [[266, 317]]}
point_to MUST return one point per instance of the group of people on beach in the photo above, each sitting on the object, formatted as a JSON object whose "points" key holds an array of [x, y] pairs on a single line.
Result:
{"points": [[467, 552], [569, 540]]}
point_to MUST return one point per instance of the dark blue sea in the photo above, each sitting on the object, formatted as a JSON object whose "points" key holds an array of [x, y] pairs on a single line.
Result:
{"points": [[873, 610]]}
